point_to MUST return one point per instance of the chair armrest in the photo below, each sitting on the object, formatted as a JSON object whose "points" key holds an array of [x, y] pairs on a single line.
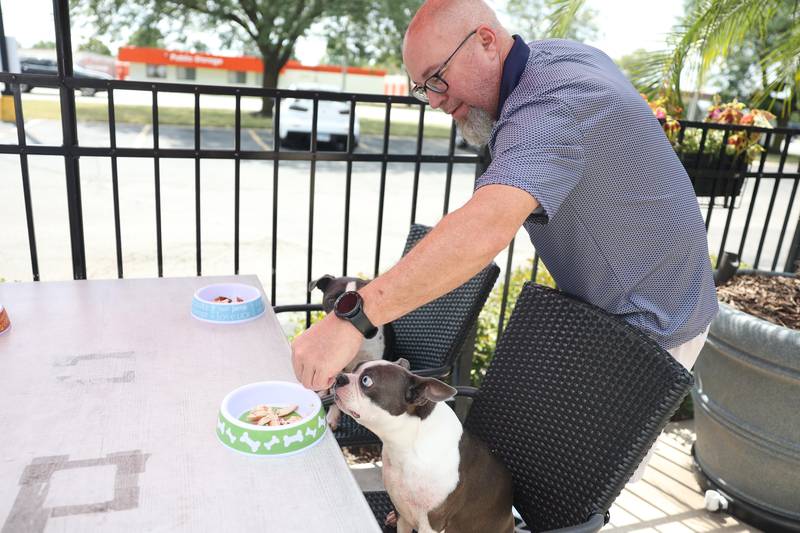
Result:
{"points": [[593, 524], [465, 391], [440, 372], [295, 308]]}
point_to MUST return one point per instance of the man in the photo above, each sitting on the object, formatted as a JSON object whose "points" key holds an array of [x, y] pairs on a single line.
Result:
{"points": [[577, 159]]}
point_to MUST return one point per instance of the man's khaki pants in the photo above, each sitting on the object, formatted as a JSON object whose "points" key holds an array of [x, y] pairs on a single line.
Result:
{"points": [[686, 354]]}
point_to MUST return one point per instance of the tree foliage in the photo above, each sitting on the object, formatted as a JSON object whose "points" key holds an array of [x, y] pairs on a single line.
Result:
{"points": [[95, 46], [754, 44], [540, 19], [368, 32]]}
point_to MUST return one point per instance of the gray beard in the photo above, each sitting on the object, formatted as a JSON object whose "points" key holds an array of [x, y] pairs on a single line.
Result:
{"points": [[476, 128]]}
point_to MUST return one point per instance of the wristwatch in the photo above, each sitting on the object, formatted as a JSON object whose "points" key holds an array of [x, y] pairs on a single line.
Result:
{"points": [[350, 306]]}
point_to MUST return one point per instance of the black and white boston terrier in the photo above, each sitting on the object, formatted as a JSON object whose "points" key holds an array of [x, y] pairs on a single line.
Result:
{"points": [[381, 346], [438, 476]]}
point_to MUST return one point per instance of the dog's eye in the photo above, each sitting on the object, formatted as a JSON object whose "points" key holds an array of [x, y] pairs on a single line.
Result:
{"points": [[366, 381]]}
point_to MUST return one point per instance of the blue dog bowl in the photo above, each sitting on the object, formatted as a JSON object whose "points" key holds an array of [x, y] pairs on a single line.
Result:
{"points": [[227, 303]]}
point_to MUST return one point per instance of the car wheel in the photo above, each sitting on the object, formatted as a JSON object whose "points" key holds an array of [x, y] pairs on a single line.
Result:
{"points": [[88, 91]]}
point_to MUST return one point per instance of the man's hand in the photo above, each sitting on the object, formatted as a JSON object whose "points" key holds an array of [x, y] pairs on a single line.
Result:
{"points": [[323, 350]]}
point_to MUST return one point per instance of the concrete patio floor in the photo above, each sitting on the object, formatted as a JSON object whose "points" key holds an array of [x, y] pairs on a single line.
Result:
{"points": [[668, 499]]}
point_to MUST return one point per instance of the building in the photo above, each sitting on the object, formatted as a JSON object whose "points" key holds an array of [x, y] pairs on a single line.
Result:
{"points": [[157, 64]]}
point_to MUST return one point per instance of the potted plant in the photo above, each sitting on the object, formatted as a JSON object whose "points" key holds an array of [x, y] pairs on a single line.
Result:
{"points": [[747, 399], [716, 171]]}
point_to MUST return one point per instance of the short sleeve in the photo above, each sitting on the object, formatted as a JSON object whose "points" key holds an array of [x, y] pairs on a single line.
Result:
{"points": [[537, 147]]}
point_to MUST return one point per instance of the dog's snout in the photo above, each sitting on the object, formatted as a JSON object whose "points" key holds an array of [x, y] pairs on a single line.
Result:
{"points": [[342, 380]]}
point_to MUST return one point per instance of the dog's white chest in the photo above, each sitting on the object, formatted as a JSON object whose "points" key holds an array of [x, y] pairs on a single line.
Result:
{"points": [[419, 479], [372, 349]]}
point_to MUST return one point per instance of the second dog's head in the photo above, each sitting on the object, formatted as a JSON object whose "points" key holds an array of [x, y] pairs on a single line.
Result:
{"points": [[382, 395], [332, 288]]}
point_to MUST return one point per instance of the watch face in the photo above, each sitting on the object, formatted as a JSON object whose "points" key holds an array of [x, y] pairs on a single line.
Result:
{"points": [[347, 302]]}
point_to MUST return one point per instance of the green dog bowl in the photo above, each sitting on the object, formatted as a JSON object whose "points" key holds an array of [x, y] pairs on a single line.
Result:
{"points": [[252, 439]]}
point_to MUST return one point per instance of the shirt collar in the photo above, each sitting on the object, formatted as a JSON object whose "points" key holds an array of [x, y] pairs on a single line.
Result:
{"points": [[513, 67]]}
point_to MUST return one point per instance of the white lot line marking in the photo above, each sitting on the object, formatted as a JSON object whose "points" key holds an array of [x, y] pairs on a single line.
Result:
{"points": [[257, 139], [140, 138], [28, 125]]}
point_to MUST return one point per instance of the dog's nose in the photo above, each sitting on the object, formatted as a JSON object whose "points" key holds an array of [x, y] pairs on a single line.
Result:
{"points": [[342, 380]]}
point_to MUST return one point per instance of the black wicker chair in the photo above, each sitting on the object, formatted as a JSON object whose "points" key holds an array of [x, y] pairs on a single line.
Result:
{"points": [[430, 337], [571, 403]]}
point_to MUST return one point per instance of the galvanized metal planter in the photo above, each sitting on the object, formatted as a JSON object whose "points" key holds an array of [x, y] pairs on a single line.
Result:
{"points": [[747, 418]]}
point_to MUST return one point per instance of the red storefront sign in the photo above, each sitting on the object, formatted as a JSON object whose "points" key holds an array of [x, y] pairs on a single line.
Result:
{"points": [[159, 56]]}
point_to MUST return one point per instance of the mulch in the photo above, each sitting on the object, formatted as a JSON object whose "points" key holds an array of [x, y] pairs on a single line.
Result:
{"points": [[362, 454], [773, 298]]}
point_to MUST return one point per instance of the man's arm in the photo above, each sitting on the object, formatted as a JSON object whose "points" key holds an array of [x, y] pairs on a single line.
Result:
{"points": [[460, 245]]}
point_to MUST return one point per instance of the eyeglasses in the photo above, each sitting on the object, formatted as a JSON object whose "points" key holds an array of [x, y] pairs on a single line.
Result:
{"points": [[435, 82]]}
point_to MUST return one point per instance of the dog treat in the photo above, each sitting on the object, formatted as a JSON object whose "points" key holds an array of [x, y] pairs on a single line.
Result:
{"points": [[226, 300], [268, 415]]}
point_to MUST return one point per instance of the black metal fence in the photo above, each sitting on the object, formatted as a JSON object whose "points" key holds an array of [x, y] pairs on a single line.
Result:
{"points": [[752, 209]]}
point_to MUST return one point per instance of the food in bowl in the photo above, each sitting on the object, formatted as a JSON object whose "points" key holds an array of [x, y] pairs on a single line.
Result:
{"points": [[268, 415], [227, 300]]}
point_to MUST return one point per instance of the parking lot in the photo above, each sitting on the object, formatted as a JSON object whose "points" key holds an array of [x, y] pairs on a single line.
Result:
{"points": [[177, 189]]}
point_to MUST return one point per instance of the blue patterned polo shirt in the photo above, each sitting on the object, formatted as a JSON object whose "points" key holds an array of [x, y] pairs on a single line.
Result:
{"points": [[619, 224]]}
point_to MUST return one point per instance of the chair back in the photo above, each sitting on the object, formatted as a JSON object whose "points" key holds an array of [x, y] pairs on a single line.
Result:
{"points": [[571, 403], [432, 336]]}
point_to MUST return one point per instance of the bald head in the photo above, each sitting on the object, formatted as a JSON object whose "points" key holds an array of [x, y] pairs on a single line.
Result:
{"points": [[473, 74], [450, 17]]}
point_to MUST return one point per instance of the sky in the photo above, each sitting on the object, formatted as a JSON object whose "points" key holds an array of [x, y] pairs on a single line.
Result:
{"points": [[624, 25]]}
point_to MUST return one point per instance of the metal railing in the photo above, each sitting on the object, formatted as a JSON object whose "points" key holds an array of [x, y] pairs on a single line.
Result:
{"points": [[721, 177], [743, 205], [71, 151]]}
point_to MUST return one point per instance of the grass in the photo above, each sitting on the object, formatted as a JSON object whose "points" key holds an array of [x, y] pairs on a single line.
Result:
{"points": [[213, 118]]}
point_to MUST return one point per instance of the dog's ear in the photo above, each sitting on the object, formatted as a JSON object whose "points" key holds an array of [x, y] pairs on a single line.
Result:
{"points": [[321, 283], [423, 390], [404, 363]]}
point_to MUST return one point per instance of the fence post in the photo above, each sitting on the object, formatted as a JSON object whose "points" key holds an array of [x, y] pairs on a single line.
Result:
{"points": [[462, 369], [793, 259], [69, 128], [484, 158], [6, 96], [4, 66]]}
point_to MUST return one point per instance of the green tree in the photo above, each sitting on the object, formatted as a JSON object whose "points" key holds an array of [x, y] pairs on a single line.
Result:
{"points": [[95, 46], [272, 27], [368, 33], [629, 62], [147, 35], [44, 45], [540, 19], [755, 43]]}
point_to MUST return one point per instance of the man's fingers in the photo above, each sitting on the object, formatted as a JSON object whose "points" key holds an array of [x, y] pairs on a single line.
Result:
{"points": [[319, 380], [297, 366], [308, 376]]}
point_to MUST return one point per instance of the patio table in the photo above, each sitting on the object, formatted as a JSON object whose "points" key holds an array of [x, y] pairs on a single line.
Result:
{"points": [[109, 394]]}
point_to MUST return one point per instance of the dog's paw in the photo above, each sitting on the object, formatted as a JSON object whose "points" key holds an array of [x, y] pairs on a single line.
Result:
{"points": [[391, 519]]}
